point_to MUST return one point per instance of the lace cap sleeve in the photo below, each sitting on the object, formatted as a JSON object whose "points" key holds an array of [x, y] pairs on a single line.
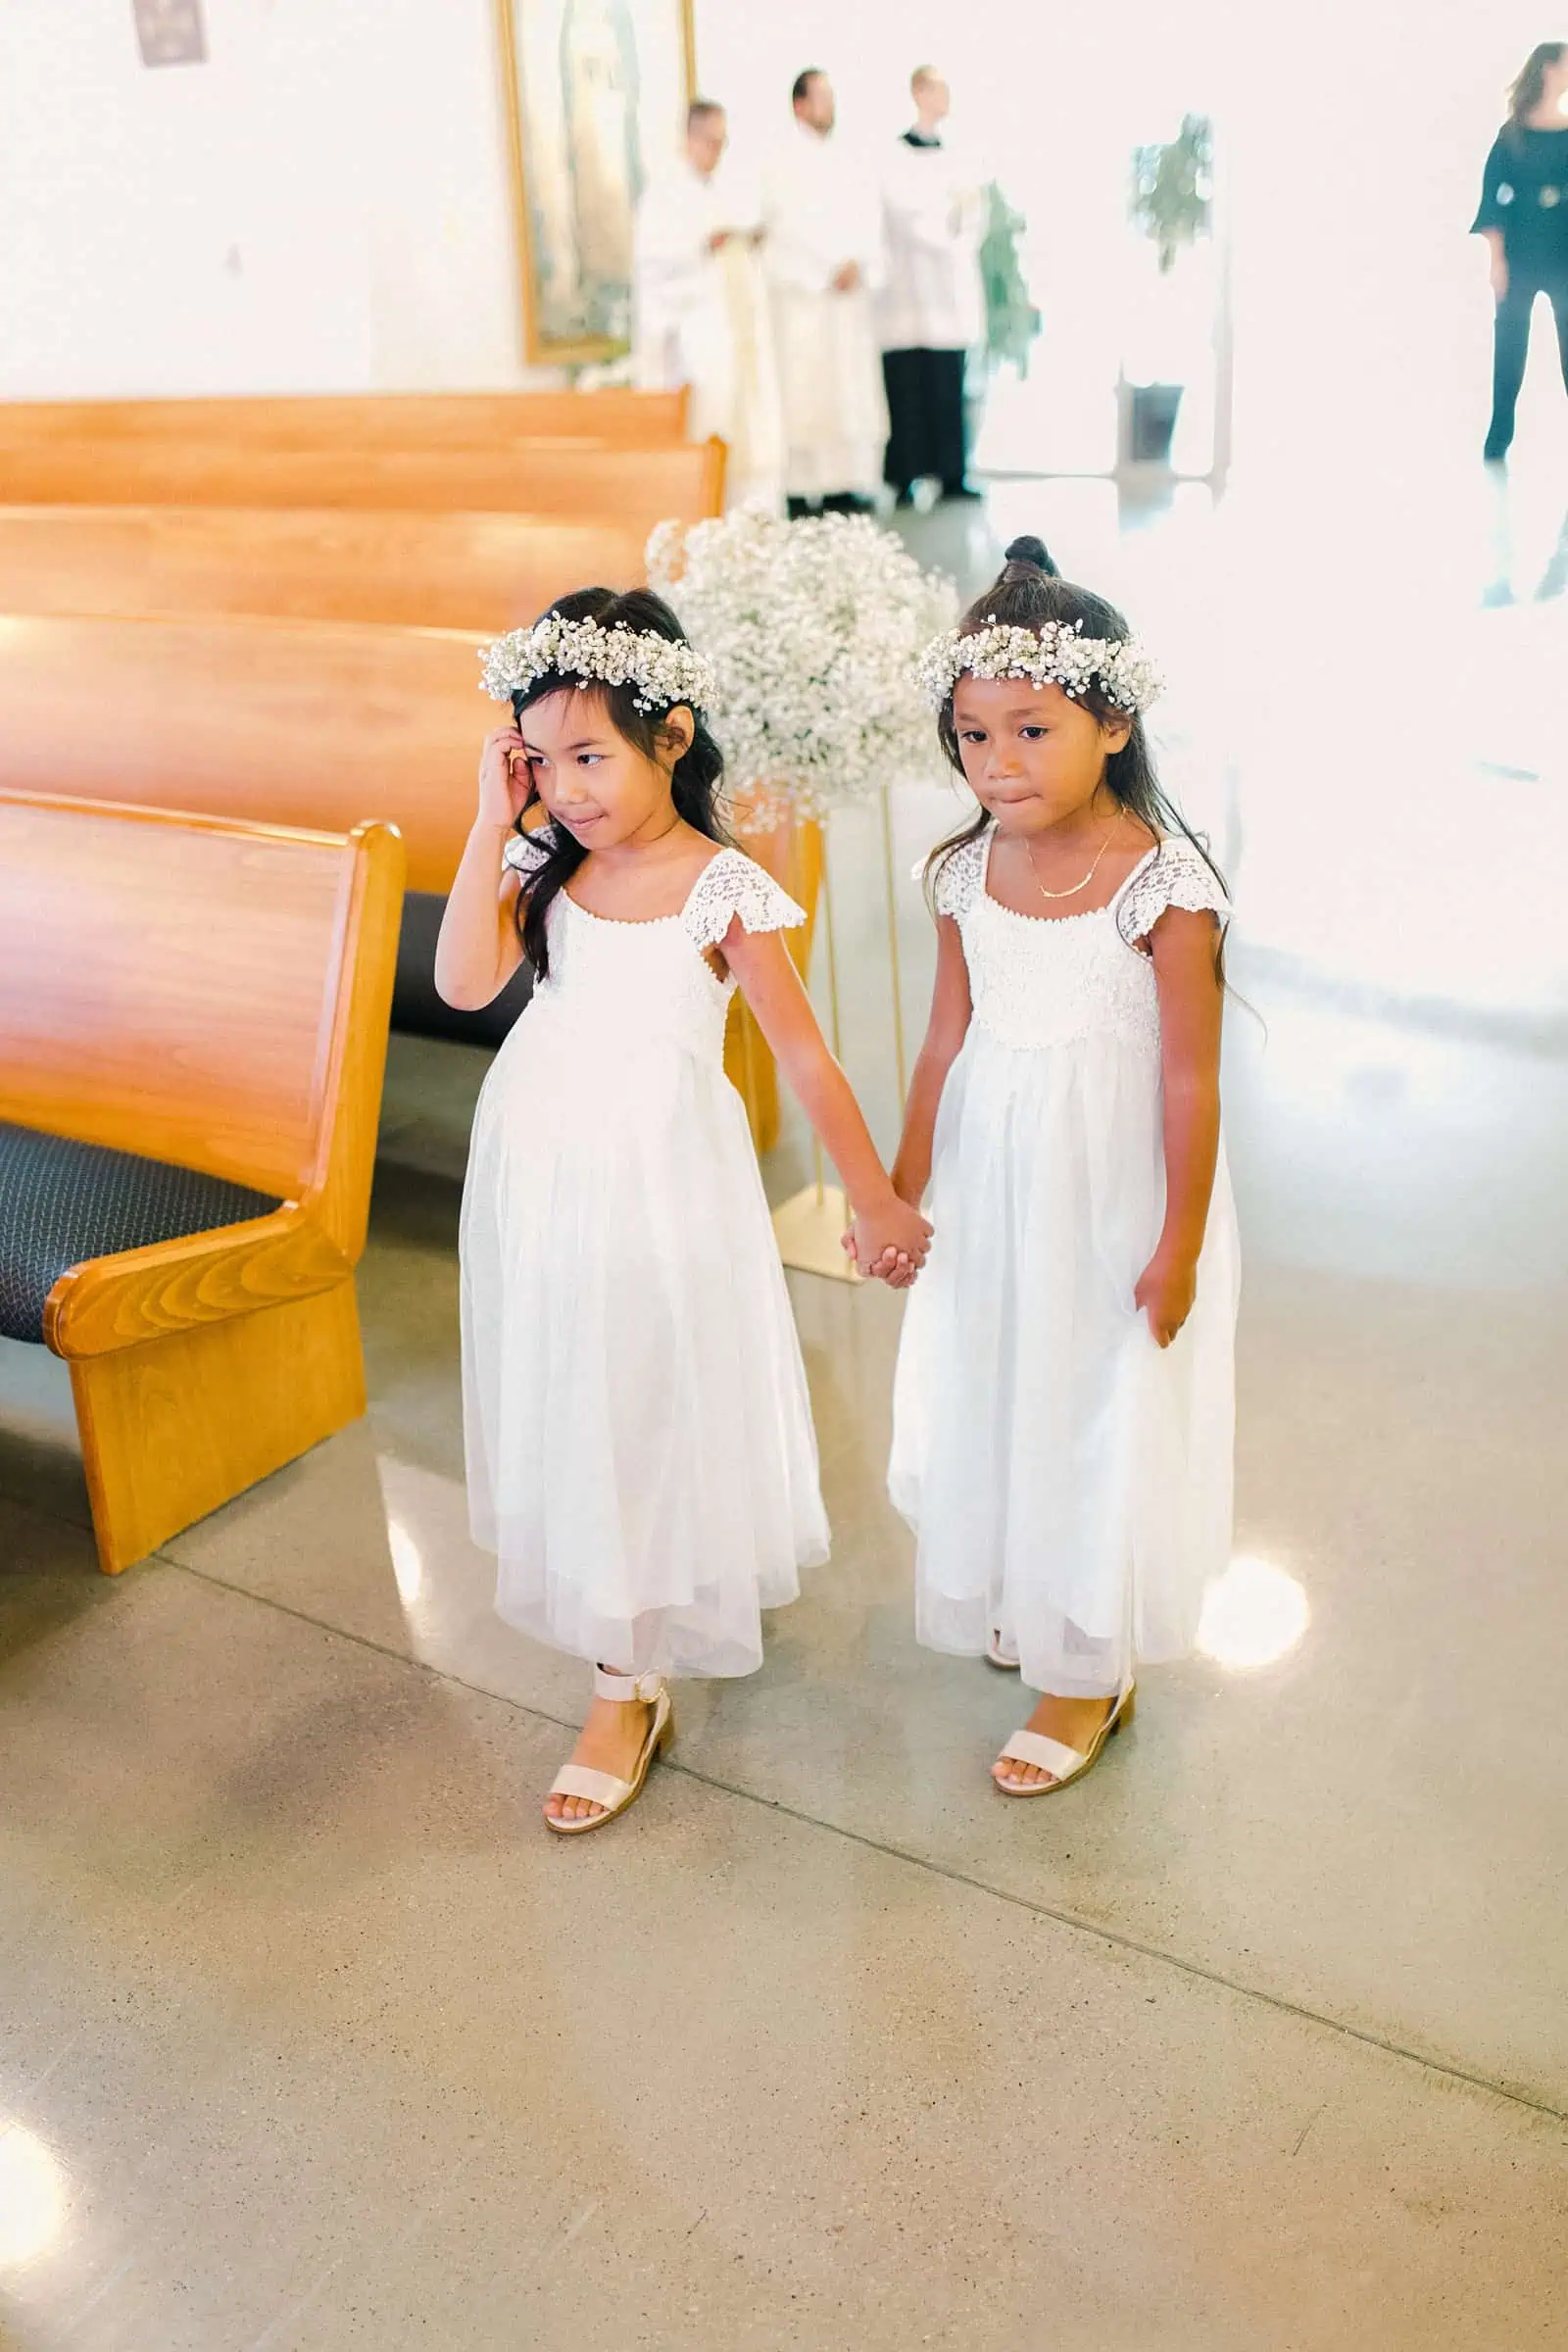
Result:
{"points": [[525, 853], [1178, 876], [959, 878], [733, 885]]}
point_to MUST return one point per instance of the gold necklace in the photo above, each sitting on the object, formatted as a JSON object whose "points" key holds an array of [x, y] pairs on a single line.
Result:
{"points": [[1028, 851]]}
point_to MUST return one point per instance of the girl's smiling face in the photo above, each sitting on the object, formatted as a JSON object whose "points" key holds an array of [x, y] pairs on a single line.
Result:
{"points": [[1032, 756], [602, 789]]}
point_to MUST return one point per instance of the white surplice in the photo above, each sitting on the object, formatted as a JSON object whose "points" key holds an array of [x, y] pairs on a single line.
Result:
{"points": [[821, 208], [933, 213], [701, 319]]}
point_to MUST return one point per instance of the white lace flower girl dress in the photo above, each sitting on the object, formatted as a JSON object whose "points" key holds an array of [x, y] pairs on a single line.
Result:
{"points": [[640, 1449], [1069, 1481]]}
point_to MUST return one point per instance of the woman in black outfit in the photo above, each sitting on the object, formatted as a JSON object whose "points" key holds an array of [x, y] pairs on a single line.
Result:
{"points": [[1524, 218]]}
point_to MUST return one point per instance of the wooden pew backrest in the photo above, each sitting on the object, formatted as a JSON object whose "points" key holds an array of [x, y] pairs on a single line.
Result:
{"points": [[485, 572], [354, 421], [585, 481], [216, 996], [320, 724], [169, 987]]}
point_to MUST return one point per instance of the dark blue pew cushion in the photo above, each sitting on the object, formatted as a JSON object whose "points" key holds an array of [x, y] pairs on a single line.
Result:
{"points": [[417, 1010], [62, 1203]]}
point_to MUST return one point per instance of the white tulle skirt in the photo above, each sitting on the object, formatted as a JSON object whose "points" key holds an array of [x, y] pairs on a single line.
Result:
{"points": [[1070, 1483], [640, 1449]]}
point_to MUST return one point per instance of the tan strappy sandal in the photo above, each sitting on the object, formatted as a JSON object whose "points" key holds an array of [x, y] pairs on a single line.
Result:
{"points": [[1052, 1756], [603, 1787]]}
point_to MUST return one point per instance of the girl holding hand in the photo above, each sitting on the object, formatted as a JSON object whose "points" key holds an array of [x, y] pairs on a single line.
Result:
{"points": [[639, 1438], [1063, 1404]]}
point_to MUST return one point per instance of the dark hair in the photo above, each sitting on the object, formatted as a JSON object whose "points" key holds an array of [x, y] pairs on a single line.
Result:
{"points": [[1530, 85], [698, 772], [1029, 592], [802, 84]]}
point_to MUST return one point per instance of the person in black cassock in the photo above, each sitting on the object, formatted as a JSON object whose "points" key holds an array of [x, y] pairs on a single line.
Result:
{"points": [[930, 312], [1524, 218]]}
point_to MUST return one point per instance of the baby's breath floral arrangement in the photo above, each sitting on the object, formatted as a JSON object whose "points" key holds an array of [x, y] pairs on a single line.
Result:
{"points": [[812, 631], [663, 671], [1053, 654]]}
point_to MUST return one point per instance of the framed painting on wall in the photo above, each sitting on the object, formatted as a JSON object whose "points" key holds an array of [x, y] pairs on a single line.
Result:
{"points": [[596, 93], [171, 33]]}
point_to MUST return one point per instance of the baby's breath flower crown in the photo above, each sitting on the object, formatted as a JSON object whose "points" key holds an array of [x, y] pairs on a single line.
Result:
{"points": [[1053, 654], [664, 670]]}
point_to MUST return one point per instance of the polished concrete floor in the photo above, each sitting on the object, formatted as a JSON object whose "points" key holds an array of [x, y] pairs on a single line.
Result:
{"points": [[310, 2037]]}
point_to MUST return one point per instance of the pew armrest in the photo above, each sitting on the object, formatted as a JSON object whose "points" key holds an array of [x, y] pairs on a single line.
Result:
{"points": [[114, 1303]]}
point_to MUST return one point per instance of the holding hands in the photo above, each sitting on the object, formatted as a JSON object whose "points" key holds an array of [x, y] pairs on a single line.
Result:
{"points": [[890, 1242]]}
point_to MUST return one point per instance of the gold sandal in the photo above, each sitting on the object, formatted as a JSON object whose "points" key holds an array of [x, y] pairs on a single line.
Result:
{"points": [[603, 1787], [1052, 1756]]}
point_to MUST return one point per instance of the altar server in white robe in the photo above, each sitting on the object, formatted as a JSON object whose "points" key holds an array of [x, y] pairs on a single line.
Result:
{"points": [[930, 313], [823, 250], [701, 312]]}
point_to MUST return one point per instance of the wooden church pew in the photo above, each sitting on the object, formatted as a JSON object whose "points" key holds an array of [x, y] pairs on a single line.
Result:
{"points": [[312, 723], [483, 573], [316, 724], [211, 998], [355, 421], [579, 480]]}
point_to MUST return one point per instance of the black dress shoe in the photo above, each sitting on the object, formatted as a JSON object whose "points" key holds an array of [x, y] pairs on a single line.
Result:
{"points": [[848, 502], [798, 508]]}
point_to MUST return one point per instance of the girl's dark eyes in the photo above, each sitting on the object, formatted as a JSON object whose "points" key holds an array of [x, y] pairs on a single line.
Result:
{"points": [[972, 735], [1033, 734]]}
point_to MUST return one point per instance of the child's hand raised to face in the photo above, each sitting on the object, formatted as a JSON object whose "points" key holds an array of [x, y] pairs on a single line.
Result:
{"points": [[506, 780]]}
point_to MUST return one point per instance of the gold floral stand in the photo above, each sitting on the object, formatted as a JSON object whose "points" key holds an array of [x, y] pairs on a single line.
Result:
{"points": [[793, 853]]}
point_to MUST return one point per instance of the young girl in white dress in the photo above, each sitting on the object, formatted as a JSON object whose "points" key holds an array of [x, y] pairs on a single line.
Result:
{"points": [[1063, 1406], [639, 1439]]}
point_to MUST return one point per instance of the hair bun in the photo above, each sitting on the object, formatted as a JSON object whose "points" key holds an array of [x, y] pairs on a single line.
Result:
{"points": [[1033, 555]]}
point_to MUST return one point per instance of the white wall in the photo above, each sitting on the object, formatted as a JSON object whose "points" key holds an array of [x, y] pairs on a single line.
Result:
{"points": [[749, 55], [323, 205], [1363, 316], [1352, 140]]}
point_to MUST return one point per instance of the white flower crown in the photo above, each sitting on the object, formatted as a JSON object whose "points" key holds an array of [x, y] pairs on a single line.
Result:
{"points": [[1053, 654], [665, 670]]}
